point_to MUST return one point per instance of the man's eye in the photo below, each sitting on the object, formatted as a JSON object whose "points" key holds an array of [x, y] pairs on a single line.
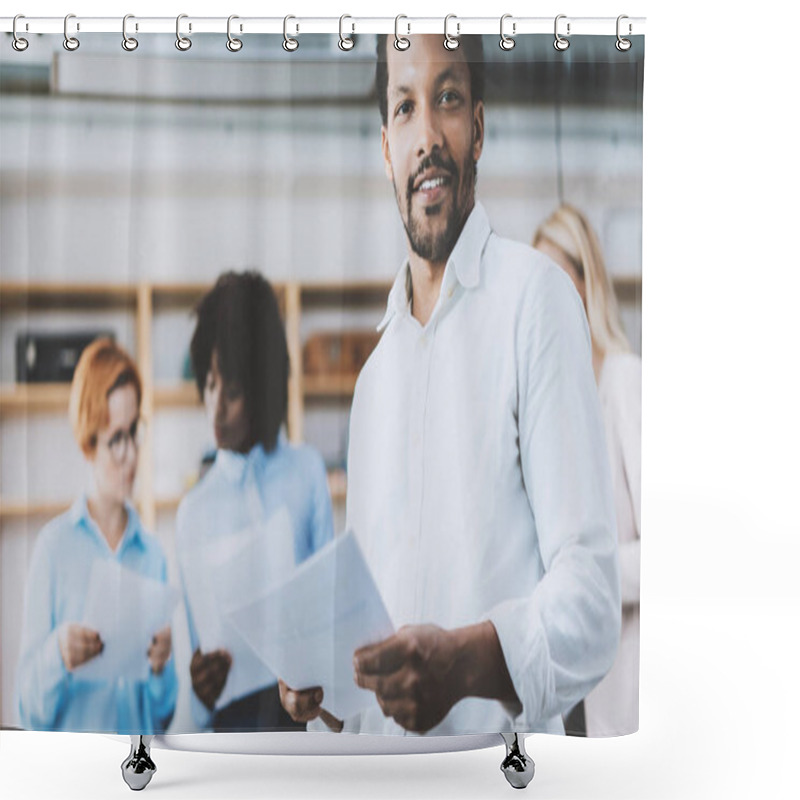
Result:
{"points": [[403, 108], [449, 96]]}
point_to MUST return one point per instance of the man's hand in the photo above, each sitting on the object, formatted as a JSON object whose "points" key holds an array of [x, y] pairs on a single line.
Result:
{"points": [[209, 672], [415, 675], [78, 644], [159, 650], [306, 704]]}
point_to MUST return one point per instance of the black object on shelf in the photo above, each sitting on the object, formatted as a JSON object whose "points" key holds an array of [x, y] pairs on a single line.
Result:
{"points": [[52, 357]]}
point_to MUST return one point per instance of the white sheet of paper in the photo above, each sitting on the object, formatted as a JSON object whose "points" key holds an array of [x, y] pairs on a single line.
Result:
{"points": [[307, 628], [228, 572], [126, 609]]}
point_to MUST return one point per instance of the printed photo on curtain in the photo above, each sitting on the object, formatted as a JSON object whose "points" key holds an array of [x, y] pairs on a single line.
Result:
{"points": [[320, 385]]}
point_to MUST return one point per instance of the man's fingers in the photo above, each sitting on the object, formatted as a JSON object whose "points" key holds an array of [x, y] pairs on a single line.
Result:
{"points": [[381, 658], [302, 705]]}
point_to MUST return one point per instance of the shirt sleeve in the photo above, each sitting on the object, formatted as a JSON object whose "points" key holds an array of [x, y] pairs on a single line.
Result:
{"points": [[559, 641], [200, 714], [42, 677], [322, 511], [162, 689]]}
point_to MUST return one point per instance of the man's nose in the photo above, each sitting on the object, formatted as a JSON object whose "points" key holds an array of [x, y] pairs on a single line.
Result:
{"points": [[429, 135]]}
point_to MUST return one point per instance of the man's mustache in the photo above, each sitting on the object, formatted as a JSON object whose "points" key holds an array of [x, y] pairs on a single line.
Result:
{"points": [[429, 162]]}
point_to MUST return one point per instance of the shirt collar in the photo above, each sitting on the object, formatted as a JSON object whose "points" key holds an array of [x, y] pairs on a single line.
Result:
{"points": [[234, 465], [464, 262], [79, 516]]}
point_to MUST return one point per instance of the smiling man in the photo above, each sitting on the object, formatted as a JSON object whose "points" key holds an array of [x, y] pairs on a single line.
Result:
{"points": [[478, 483]]}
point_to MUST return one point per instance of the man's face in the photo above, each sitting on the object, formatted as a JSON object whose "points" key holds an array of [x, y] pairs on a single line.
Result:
{"points": [[431, 142]]}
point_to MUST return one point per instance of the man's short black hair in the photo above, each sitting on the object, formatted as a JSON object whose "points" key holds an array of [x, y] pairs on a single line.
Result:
{"points": [[472, 48], [240, 319]]}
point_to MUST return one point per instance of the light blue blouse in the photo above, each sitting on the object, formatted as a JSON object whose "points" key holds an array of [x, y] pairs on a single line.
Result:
{"points": [[289, 476], [48, 696]]}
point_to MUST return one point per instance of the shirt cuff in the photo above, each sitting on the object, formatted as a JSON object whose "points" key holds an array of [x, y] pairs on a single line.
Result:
{"points": [[54, 671], [526, 652], [201, 715]]}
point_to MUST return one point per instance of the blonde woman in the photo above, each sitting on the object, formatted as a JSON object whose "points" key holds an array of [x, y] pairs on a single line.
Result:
{"points": [[612, 707], [52, 693]]}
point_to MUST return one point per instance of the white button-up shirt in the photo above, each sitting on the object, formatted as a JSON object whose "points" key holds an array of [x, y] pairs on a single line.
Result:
{"points": [[478, 478]]}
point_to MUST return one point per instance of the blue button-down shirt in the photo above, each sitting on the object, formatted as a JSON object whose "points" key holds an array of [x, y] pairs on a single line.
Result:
{"points": [[290, 477], [48, 696]]}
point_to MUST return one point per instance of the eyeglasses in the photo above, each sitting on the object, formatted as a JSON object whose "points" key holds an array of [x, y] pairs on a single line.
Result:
{"points": [[118, 443]]}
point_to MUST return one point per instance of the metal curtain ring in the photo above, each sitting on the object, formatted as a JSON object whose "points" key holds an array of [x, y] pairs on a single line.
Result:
{"points": [[233, 44], [289, 44], [401, 42], [128, 42], [623, 44], [451, 42], [70, 42], [18, 43], [506, 42], [183, 43], [345, 42], [560, 42]]}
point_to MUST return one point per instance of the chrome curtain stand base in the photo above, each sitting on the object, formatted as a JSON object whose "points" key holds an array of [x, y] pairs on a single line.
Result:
{"points": [[138, 768], [517, 766]]}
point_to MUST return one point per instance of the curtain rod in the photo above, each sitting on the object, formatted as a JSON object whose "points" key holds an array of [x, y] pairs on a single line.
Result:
{"points": [[349, 25]]}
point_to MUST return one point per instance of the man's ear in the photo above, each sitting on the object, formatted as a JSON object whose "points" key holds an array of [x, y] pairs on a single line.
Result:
{"points": [[478, 129], [387, 158]]}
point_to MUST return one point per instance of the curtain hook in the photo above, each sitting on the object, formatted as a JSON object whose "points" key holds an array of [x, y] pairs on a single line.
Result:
{"points": [[18, 43], [345, 42], [233, 44], [289, 44], [623, 44], [451, 42], [560, 42], [507, 42], [183, 43], [401, 42], [129, 43], [70, 42]]}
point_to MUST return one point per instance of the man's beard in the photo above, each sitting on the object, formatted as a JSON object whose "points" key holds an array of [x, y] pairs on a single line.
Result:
{"points": [[431, 246]]}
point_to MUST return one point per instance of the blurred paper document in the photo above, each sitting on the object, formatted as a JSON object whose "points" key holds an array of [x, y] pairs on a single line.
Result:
{"points": [[126, 609], [307, 628], [228, 572]]}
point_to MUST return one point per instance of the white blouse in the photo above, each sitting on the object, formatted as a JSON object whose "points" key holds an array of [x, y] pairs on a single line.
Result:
{"points": [[612, 708]]}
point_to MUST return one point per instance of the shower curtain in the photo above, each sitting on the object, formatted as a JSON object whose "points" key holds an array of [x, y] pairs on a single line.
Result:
{"points": [[320, 383]]}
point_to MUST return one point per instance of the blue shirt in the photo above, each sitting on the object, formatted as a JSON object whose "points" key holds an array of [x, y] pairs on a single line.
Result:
{"points": [[48, 696], [290, 477]]}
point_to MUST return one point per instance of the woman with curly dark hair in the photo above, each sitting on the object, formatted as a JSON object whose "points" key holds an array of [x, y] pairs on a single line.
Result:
{"points": [[259, 484]]}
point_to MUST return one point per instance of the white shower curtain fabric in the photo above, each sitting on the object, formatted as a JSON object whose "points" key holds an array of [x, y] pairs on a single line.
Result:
{"points": [[320, 386]]}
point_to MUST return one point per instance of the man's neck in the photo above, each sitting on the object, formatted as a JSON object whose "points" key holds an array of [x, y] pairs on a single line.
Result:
{"points": [[426, 283], [426, 280]]}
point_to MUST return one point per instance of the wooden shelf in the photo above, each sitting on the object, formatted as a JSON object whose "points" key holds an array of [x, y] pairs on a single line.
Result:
{"points": [[24, 295], [12, 510], [329, 386], [176, 395], [26, 398]]}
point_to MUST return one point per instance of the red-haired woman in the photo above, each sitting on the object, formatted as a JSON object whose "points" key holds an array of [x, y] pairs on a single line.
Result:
{"points": [[52, 694]]}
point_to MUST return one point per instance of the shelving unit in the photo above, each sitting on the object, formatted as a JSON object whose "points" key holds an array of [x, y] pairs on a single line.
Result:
{"points": [[144, 300]]}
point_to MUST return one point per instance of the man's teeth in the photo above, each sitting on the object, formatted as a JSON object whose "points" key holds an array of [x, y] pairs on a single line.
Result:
{"points": [[432, 183]]}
